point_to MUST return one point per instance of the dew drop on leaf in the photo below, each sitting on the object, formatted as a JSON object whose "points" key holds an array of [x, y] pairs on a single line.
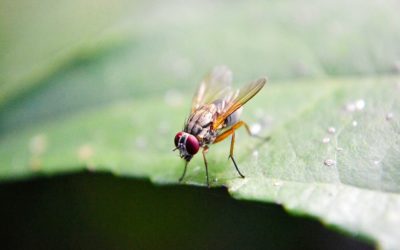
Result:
{"points": [[350, 107], [331, 130], [326, 140], [329, 162], [360, 104], [255, 128], [255, 155], [389, 116], [355, 105]]}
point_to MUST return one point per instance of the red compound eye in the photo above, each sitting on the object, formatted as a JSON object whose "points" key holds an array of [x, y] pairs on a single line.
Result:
{"points": [[177, 137], [192, 145]]}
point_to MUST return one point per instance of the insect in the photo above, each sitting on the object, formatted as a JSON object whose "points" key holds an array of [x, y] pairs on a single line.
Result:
{"points": [[214, 116]]}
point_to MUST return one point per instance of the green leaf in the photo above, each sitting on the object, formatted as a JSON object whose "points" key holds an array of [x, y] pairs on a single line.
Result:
{"points": [[360, 193], [114, 101]]}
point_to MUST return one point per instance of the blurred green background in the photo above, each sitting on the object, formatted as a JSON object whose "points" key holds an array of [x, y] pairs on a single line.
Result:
{"points": [[82, 82]]}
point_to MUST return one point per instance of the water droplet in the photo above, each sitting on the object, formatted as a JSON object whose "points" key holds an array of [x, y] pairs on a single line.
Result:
{"points": [[389, 116], [173, 98], [277, 183], [376, 162], [350, 107], [255, 155], [255, 128], [331, 130], [360, 104], [354, 123], [326, 140], [355, 106], [330, 162]]}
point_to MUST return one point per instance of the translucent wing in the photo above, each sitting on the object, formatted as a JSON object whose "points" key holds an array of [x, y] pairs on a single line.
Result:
{"points": [[238, 100], [215, 86]]}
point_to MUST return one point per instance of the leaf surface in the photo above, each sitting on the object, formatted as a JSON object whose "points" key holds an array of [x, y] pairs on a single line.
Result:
{"points": [[115, 101]]}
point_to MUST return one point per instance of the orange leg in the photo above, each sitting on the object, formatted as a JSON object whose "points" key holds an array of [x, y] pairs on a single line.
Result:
{"points": [[229, 132], [231, 154]]}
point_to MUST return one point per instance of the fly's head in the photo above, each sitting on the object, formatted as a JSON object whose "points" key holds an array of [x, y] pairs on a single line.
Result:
{"points": [[187, 144]]}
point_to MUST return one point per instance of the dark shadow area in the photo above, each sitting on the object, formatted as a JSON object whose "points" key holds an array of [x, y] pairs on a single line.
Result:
{"points": [[100, 211]]}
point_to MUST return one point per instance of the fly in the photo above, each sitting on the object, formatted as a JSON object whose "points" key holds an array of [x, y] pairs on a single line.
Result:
{"points": [[214, 116]]}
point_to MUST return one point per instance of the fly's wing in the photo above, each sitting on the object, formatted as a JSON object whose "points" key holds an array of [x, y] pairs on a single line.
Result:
{"points": [[215, 86], [234, 102]]}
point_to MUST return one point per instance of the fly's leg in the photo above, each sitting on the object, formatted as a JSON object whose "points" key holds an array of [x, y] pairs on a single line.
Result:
{"points": [[228, 132], [205, 150], [231, 131], [184, 171], [231, 154]]}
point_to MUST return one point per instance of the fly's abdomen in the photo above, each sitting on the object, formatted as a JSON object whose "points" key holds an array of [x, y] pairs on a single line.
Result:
{"points": [[233, 118]]}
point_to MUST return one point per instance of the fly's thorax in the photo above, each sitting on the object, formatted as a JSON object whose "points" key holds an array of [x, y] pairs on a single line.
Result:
{"points": [[199, 123]]}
